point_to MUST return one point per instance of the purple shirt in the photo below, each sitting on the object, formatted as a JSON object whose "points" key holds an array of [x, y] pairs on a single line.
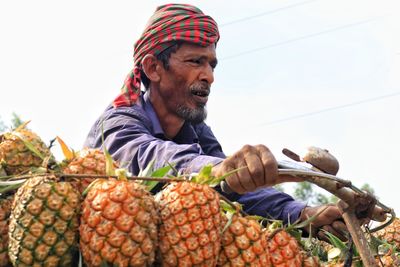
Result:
{"points": [[134, 137]]}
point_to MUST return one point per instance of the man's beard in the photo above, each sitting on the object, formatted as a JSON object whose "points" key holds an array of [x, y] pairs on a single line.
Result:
{"points": [[195, 116], [198, 114]]}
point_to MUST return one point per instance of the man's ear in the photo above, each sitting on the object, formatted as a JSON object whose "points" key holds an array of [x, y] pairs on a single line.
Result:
{"points": [[151, 68]]}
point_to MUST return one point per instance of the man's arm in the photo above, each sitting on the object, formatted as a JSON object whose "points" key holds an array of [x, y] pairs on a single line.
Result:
{"points": [[128, 138], [270, 203]]}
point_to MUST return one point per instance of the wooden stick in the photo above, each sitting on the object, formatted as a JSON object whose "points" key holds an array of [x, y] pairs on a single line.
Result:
{"points": [[353, 225]]}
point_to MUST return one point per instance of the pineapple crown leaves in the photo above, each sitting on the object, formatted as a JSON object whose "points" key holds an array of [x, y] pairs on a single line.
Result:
{"points": [[158, 173], [122, 174], [8, 186], [28, 144], [293, 229], [229, 209], [233, 208], [340, 247], [90, 186], [68, 153], [110, 170], [205, 176]]}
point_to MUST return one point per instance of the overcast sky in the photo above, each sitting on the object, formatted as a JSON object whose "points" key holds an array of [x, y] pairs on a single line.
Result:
{"points": [[290, 74]]}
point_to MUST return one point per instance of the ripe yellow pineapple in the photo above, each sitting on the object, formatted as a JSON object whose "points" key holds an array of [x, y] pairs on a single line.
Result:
{"points": [[21, 150], [86, 161], [118, 224], [243, 244], [44, 223], [191, 224], [391, 233], [283, 248], [5, 211]]}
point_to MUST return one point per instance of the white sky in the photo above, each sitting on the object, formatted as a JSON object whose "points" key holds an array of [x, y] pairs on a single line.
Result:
{"points": [[62, 62]]}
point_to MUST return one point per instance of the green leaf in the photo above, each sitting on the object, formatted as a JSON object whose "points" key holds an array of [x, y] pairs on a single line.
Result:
{"points": [[10, 188], [84, 193], [217, 180], [159, 173], [295, 233], [309, 220], [147, 171], [227, 207], [228, 215], [204, 175], [375, 243], [335, 241], [28, 144]]}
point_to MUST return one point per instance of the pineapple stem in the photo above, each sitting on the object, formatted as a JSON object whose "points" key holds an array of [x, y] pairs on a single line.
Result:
{"points": [[243, 213]]}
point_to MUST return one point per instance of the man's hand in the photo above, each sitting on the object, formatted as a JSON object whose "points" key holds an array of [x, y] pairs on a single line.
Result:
{"points": [[330, 219], [257, 167]]}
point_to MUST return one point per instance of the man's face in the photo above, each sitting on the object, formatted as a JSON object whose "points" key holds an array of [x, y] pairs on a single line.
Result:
{"points": [[185, 85]]}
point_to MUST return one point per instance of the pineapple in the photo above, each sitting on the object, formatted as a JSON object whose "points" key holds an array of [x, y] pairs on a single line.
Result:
{"points": [[243, 243], [86, 161], [391, 233], [118, 224], [389, 259], [44, 223], [283, 248], [5, 211], [310, 261], [21, 150], [191, 224]]}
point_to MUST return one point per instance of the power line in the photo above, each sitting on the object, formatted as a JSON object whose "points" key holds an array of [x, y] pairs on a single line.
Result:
{"points": [[301, 38], [330, 109], [267, 13]]}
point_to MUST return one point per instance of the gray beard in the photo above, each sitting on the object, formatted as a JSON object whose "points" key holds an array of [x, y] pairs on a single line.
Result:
{"points": [[194, 116]]}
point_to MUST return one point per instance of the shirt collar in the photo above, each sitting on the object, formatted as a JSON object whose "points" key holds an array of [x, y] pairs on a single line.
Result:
{"points": [[148, 108], [187, 134]]}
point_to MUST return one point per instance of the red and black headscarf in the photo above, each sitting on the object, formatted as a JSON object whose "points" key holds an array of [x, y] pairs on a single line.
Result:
{"points": [[171, 22]]}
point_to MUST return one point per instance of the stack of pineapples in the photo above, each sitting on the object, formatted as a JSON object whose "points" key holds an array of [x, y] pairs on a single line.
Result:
{"points": [[63, 214]]}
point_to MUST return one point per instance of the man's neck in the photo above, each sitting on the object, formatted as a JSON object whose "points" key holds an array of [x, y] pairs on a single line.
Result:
{"points": [[170, 123]]}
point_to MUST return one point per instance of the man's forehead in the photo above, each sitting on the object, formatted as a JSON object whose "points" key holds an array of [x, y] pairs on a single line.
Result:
{"points": [[188, 49]]}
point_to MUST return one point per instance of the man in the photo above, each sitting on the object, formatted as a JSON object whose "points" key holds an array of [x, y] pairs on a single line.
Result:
{"points": [[174, 59]]}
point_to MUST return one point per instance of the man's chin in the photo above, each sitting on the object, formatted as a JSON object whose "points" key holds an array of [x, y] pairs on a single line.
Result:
{"points": [[194, 116]]}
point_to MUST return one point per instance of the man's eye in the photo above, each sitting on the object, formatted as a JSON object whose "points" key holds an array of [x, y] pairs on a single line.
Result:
{"points": [[195, 61]]}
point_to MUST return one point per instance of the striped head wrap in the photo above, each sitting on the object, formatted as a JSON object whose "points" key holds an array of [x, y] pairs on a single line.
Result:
{"points": [[171, 22]]}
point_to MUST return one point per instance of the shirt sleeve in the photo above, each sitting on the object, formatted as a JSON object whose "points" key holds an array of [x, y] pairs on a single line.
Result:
{"points": [[269, 203], [128, 138]]}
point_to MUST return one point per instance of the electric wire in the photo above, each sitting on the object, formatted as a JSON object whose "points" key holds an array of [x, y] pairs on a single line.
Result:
{"points": [[377, 98], [301, 38], [267, 13]]}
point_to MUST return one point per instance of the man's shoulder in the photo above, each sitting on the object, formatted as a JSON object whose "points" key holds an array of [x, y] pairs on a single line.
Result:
{"points": [[113, 119], [134, 112], [201, 127]]}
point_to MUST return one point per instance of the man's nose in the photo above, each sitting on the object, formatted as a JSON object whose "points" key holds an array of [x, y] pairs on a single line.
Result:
{"points": [[207, 74]]}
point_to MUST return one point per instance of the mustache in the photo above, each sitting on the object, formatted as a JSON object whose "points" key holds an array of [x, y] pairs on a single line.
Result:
{"points": [[201, 86]]}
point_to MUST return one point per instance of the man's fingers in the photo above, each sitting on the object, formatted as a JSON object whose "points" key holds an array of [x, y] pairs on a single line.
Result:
{"points": [[255, 169], [245, 179], [329, 214], [340, 227], [233, 180], [270, 165]]}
